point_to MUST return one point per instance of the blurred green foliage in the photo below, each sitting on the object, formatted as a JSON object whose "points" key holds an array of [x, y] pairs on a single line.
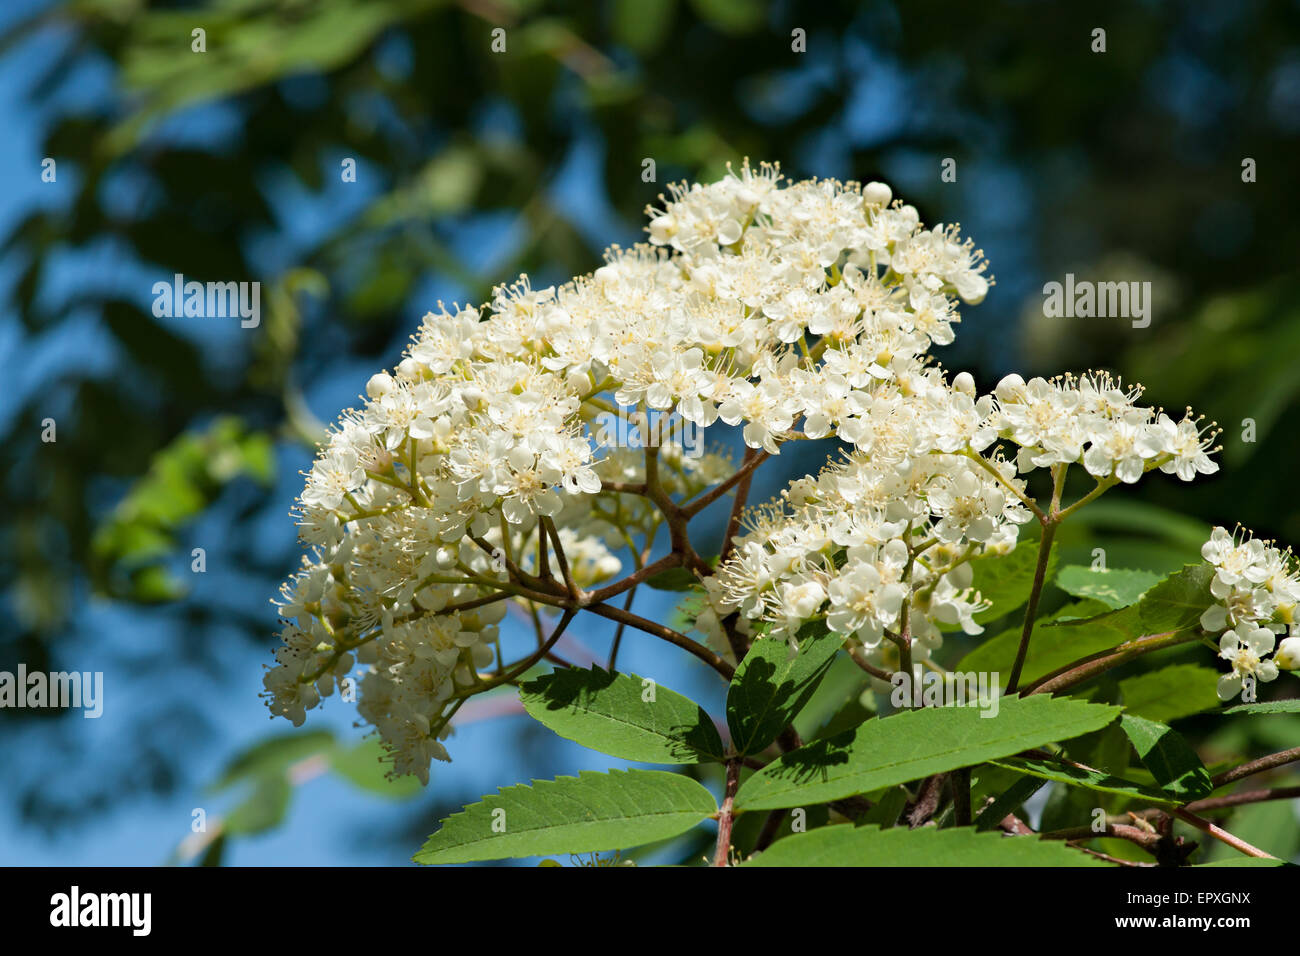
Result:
{"points": [[267, 774], [181, 482]]}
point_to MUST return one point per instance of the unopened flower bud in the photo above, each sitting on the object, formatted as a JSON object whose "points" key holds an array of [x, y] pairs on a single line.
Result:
{"points": [[380, 385], [1010, 389], [1288, 654], [877, 194]]}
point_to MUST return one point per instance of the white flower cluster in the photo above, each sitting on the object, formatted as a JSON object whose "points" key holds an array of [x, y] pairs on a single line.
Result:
{"points": [[1097, 422], [794, 311], [838, 545], [886, 537], [915, 482], [388, 585], [1256, 588]]}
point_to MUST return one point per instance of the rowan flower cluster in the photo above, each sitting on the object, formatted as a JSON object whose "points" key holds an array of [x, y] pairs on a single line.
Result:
{"points": [[1256, 588], [880, 544], [1097, 422], [792, 311], [895, 523]]}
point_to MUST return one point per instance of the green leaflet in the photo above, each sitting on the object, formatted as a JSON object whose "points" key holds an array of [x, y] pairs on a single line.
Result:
{"points": [[364, 766], [274, 755], [842, 700], [673, 579], [1177, 602], [1114, 587], [889, 806], [623, 715], [588, 813], [268, 768], [1169, 757], [1007, 801], [772, 685], [1090, 779], [927, 846], [1288, 706], [1106, 750], [1124, 516], [1171, 692], [915, 744], [263, 809], [1174, 604], [1244, 861]]}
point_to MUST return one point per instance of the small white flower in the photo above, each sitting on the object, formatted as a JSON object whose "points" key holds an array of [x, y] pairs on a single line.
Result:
{"points": [[1244, 649]]}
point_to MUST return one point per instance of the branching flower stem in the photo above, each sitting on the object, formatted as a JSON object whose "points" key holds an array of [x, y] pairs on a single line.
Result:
{"points": [[988, 466], [753, 458], [1049, 521], [726, 817], [523, 665]]}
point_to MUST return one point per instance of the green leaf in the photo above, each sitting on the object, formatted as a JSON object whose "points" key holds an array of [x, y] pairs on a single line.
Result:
{"points": [[958, 846], [1244, 861], [183, 480], [263, 809], [887, 809], [1007, 801], [1289, 706], [588, 813], [364, 767], [773, 682], [1106, 751], [1171, 692], [1115, 587], [1174, 604], [623, 715], [1130, 517], [1090, 779], [673, 579], [1007, 579], [915, 744], [274, 755], [1177, 602], [1169, 757], [842, 701], [731, 16]]}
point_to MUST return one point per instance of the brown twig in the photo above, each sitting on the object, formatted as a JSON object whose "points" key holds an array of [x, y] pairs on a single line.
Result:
{"points": [[1237, 843], [1088, 667], [1272, 761], [719, 664], [752, 460], [722, 853]]}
